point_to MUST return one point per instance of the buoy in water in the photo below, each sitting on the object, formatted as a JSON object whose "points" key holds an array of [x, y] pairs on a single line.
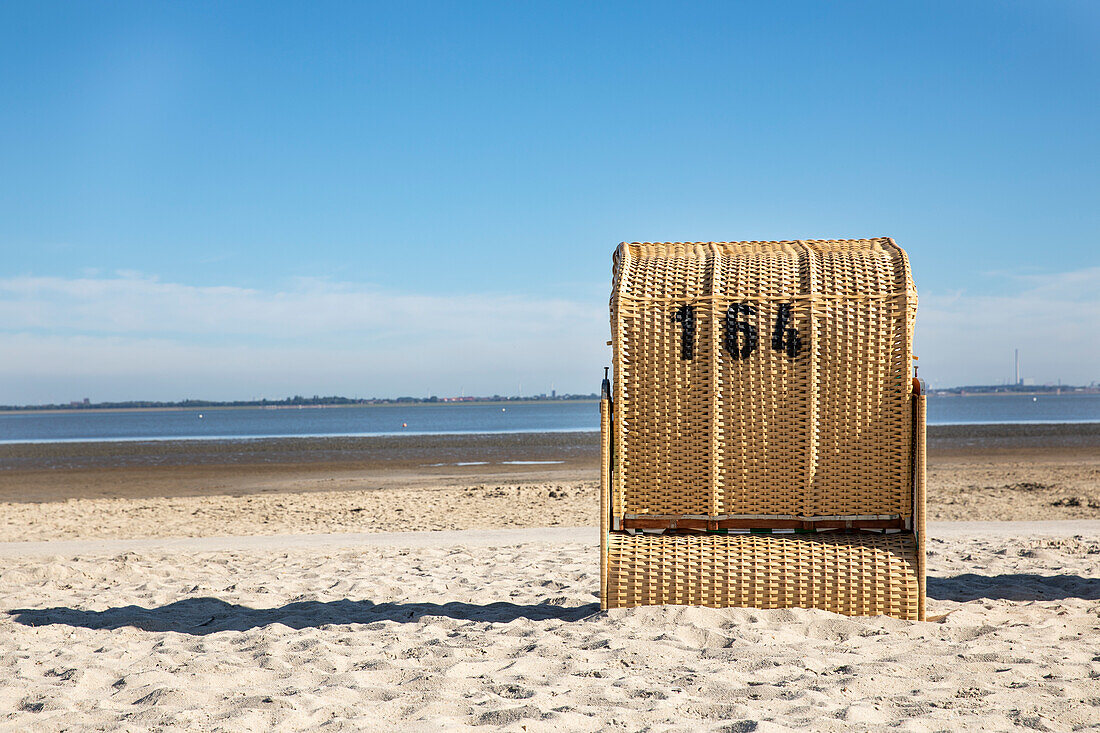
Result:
{"points": [[200, 416], [404, 425], [503, 409]]}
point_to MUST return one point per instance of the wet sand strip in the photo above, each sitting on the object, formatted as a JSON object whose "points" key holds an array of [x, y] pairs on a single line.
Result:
{"points": [[40, 472]]}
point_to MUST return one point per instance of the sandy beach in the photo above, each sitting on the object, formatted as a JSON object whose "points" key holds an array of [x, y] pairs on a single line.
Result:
{"points": [[357, 586], [480, 633]]}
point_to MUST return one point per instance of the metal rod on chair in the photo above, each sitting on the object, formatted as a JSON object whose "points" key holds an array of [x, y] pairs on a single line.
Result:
{"points": [[920, 523], [605, 480]]}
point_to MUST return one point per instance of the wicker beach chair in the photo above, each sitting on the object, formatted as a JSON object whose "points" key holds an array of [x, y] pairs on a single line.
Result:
{"points": [[762, 436]]}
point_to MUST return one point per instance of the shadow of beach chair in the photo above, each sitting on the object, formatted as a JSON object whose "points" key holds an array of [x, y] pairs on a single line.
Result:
{"points": [[762, 436]]}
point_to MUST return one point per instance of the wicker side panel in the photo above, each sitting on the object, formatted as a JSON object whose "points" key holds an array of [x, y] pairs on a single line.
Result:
{"points": [[853, 574], [663, 405], [862, 350]]}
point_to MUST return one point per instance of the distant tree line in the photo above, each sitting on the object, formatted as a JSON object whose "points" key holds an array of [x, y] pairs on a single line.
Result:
{"points": [[295, 401], [1015, 389]]}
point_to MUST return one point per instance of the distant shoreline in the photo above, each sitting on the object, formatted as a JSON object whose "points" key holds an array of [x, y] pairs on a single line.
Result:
{"points": [[441, 403], [1040, 393], [298, 436], [1067, 391]]}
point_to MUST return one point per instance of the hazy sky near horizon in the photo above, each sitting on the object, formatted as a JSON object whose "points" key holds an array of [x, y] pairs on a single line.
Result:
{"points": [[261, 199]]}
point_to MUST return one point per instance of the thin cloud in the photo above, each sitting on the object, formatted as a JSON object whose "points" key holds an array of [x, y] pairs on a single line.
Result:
{"points": [[130, 336], [130, 303], [112, 336], [1054, 319]]}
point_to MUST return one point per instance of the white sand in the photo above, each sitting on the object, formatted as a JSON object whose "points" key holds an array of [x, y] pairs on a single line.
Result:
{"points": [[429, 635], [482, 506]]}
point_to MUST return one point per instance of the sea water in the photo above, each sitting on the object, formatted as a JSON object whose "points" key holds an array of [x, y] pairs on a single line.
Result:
{"points": [[458, 418]]}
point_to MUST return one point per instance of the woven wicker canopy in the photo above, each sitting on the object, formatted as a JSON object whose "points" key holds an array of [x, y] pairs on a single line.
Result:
{"points": [[763, 378]]}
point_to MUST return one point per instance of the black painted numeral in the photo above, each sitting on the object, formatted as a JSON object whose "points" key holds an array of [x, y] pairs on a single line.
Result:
{"points": [[685, 316], [785, 339], [734, 327]]}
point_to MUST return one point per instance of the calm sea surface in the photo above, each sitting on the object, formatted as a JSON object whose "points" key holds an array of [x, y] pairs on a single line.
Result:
{"points": [[427, 419]]}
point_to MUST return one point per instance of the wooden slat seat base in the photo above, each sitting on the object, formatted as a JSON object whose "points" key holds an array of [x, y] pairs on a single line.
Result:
{"points": [[711, 524], [852, 573]]}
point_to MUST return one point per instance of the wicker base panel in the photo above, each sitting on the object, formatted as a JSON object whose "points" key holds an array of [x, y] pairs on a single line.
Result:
{"points": [[856, 574]]}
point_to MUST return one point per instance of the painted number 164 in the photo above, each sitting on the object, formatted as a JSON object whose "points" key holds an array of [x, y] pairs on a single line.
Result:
{"points": [[741, 337]]}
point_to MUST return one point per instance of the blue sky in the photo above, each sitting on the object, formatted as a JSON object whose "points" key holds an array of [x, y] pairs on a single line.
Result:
{"points": [[239, 200]]}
